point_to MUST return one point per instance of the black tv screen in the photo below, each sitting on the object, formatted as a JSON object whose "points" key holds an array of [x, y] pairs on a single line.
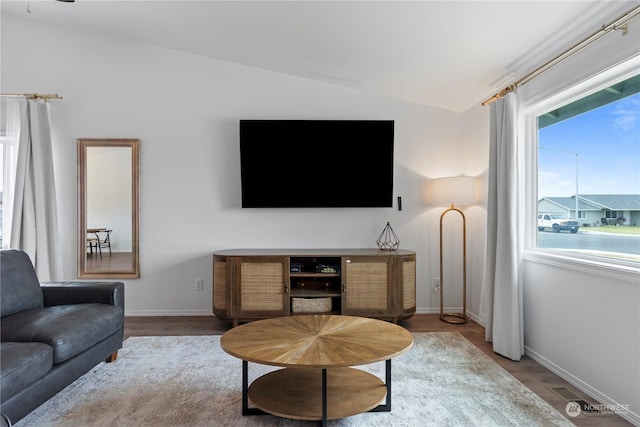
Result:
{"points": [[316, 163]]}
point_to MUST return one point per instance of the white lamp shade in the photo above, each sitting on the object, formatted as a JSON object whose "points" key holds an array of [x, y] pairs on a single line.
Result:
{"points": [[458, 190]]}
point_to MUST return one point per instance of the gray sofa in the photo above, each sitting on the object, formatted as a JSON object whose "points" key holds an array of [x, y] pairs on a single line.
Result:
{"points": [[51, 334]]}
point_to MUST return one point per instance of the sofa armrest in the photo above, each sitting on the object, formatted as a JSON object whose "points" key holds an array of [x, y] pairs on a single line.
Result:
{"points": [[61, 293]]}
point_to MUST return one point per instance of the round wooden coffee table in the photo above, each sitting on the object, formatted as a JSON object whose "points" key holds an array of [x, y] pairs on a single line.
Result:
{"points": [[317, 352]]}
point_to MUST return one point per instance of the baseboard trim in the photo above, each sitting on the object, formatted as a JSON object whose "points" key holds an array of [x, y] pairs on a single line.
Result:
{"points": [[470, 315], [167, 313], [628, 415]]}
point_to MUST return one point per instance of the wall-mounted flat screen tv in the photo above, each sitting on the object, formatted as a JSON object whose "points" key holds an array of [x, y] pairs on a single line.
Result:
{"points": [[316, 163]]}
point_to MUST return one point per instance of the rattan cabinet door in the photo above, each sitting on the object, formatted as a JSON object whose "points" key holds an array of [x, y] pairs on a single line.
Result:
{"points": [[221, 290], [367, 287], [407, 285], [261, 287]]}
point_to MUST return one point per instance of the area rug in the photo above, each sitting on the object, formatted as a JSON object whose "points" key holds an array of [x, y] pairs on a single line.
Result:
{"points": [[444, 380]]}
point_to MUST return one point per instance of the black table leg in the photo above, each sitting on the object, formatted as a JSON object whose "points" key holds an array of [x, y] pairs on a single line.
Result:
{"points": [[324, 397], [245, 397], [387, 405], [245, 385]]}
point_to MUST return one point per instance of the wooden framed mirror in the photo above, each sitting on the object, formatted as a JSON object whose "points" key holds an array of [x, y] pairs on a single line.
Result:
{"points": [[108, 194]]}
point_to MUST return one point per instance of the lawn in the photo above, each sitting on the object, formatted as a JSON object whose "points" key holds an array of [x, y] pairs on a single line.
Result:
{"points": [[623, 229]]}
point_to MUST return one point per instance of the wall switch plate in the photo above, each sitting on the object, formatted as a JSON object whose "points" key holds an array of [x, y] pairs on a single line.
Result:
{"points": [[199, 284]]}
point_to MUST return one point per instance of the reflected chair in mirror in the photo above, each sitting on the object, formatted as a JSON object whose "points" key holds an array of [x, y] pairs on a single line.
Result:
{"points": [[104, 240], [92, 242], [98, 238]]}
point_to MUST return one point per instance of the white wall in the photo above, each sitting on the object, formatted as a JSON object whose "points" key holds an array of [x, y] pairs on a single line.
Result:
{"points": [[185, 109], [583, 324], [476, 162]]}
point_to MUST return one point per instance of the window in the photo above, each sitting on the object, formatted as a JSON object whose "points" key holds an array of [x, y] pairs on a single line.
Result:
{"points": [[589, 174], [9, 136], [611, 214]]}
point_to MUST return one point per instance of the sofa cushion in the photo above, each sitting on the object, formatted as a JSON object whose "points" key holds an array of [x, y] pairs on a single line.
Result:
{"points": [[20, 288], [22, 364], [69, 329]]}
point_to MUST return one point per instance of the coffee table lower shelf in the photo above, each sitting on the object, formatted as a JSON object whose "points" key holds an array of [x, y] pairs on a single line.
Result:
{"points": [[297, 393]]}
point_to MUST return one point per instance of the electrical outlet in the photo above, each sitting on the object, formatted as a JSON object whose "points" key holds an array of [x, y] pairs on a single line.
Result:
{"points": [[436, 284], [199, 284]]}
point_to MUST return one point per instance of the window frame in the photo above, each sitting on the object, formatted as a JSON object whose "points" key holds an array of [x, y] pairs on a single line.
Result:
{"points": [[3, 141], [557, 257]]}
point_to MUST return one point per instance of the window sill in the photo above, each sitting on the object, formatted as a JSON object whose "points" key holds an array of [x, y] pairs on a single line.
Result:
{"points": [[618, 270]]}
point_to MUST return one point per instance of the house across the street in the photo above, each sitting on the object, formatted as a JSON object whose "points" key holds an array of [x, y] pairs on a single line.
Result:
{"points": [[596, 209]]}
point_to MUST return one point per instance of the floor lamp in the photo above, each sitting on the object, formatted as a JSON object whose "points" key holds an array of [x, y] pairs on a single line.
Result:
{"points": [[457, 190]]}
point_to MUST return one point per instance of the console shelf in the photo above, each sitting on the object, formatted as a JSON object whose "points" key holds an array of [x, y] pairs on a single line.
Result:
{"points": [[314, 275], [310, 293], [250, 284]]}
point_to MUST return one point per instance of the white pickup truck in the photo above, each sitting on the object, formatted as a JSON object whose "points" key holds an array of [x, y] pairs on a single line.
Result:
{"points": [[557, 222]]}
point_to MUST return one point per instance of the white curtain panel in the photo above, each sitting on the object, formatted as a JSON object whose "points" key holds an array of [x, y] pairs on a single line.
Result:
{"points": [[501, 301], [34, 227]]}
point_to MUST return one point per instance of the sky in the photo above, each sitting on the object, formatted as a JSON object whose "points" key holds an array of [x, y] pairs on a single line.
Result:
{"points": [[607, 143]]}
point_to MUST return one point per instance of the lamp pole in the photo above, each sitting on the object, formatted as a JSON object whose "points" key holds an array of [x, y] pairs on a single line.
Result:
{"points": [[577, 165]]}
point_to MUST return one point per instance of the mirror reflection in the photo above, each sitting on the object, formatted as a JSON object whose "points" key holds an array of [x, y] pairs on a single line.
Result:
{"points": [[108, 217]]}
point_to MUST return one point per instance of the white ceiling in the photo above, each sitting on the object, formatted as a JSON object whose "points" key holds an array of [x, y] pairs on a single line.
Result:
{"points": [[448, 54]]}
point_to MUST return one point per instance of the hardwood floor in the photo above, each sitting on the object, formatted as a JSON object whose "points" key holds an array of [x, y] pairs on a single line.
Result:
{"points": [[117, 261], [537, 378]]}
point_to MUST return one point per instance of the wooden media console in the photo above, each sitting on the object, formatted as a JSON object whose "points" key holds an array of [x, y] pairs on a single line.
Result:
{"points": [[251, 284]]}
